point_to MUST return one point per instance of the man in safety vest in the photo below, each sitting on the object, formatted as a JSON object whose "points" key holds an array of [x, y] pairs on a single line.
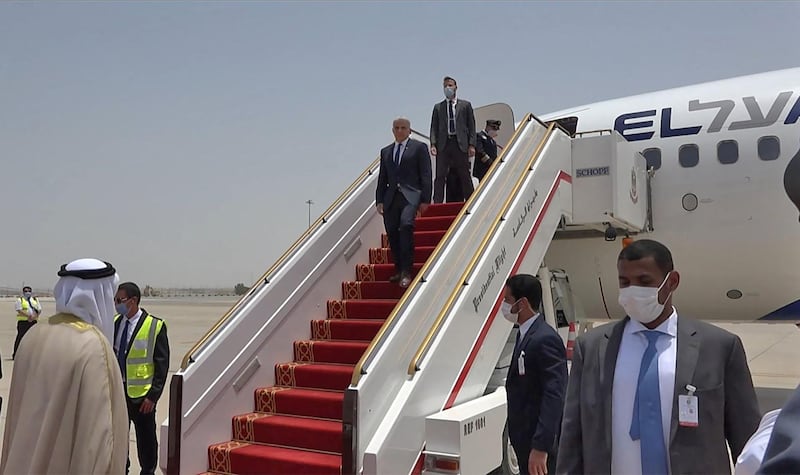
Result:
{"points": [[28, 310], [142, 349]]}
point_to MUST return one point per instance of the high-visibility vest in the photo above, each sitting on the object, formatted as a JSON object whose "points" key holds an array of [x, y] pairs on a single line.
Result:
{"points": [[26, 307], [139, 366]]}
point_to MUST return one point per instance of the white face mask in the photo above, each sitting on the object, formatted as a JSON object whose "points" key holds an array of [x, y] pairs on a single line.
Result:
{"points": [[492, 133], [641, 303], [507, 313]]}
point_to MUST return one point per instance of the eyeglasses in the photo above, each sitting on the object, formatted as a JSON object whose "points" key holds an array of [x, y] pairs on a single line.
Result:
{"points": [[118, 300]]}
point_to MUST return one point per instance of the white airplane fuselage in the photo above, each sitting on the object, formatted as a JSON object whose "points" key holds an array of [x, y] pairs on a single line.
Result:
{"points": [[733, 144]]}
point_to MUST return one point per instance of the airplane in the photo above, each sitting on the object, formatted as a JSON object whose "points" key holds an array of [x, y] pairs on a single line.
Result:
{"points": [[725, 196]]}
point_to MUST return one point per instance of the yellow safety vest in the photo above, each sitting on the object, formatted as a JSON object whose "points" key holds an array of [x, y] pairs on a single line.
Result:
{"points": [[139, 367], [25, 307]]}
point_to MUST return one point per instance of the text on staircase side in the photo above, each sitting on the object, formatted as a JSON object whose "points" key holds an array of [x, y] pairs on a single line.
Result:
{"points": [[499, 260], [525, 211], [474, 425]]}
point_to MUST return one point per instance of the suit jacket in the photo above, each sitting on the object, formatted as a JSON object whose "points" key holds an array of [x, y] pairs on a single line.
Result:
{"points": [[465, 125], [412, 178], [536, 399], [709, 358], [783, 451], [160, 357]]}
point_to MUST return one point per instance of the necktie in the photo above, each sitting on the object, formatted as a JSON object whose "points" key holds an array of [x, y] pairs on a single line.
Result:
{"points": [[451, 119], [646, 425], [516, 344], [123, 345], [397, 154]]}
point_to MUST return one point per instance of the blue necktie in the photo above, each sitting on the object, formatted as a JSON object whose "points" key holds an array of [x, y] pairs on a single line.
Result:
{"points": [[451, 119], [646, 425], [123, 345], [397, 154]]}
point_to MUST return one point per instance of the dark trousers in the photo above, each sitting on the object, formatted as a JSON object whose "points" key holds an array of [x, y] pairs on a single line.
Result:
{"points": [[146, 443], [398, 219], [523, 453], [22, 328], [452, 158]]}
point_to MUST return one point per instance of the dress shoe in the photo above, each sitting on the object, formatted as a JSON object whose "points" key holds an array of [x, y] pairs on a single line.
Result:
{"points": [[395, 278], [405, 280]]}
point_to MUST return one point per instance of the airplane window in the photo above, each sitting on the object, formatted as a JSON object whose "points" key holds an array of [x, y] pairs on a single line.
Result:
{"points": [[653, 157], [688, 155], [769, 148], [727, 152]]}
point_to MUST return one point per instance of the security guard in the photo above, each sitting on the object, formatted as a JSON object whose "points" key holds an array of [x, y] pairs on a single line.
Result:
{"points": [[486, 149], [142, 349], [28, 310]]}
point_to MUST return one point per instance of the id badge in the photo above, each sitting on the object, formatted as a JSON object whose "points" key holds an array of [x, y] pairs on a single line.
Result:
{"points": [[688, 409], [521, 364]]}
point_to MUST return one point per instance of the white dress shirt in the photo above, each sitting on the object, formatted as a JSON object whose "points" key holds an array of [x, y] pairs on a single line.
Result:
{"points": [[132, 322], [524, 327], [626, 454], [402, 146], [753, 452]]}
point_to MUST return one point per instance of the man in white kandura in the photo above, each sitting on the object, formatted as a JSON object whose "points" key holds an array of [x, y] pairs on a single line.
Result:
{"points": [[67, 412]]}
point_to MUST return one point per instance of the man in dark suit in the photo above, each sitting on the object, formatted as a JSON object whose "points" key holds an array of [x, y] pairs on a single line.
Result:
{"points": [[142, 349], [537, 378], [655, 392], [486, 150], [403, 193], [452, 141]]}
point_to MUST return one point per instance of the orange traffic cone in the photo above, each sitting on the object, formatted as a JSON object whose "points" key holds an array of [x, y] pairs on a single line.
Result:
{"points": [[571, 340]]}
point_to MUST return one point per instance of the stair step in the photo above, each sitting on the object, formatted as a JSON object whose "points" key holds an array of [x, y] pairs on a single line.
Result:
{"points": [[300, 402], [443, 209], [383, 255], [354, 309], [421, 238], [362, 330], [378, 272], [355, 290], [243, 457], [291, 431], [314, 375], [434, 223], [324, 351]]}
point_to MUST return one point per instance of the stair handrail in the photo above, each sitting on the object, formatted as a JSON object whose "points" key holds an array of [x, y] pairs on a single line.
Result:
{"points": [[389, 323], [413, 366], [264, 279]]}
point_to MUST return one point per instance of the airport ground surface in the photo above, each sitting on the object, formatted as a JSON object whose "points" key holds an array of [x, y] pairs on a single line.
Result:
{"points": [[773, 351]]}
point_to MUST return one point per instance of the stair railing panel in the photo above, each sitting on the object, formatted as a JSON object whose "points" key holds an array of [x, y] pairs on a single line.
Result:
{"points": [[238, 354], [376, 379]]}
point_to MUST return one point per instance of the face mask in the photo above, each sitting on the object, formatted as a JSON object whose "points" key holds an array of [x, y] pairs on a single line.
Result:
{"points": [[641, 303], [122, 309], [492, 133], [507, 313], [27, 295], [449, 92]]}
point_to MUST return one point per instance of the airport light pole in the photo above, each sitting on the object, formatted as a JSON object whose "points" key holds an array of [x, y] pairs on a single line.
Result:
{"points": [[309, 203]]}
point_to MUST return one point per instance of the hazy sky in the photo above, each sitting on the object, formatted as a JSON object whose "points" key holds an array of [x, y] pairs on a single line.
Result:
{"points": [[180, 140]]}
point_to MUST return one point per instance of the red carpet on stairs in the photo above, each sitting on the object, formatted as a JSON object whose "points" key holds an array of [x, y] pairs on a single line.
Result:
{"points": [[297, 424]]}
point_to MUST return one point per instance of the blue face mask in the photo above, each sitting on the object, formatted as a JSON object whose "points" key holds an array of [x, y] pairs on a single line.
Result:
{"points": [[449, 92], [122, 309], [27, 295]]}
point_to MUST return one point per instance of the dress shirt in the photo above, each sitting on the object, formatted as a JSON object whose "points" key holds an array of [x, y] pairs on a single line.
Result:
{"points": [[132, 322], [626, 455], [402, 146]]}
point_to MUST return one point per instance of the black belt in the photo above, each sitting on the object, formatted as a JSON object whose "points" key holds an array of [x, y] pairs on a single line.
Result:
{"points": [[452, 136]]}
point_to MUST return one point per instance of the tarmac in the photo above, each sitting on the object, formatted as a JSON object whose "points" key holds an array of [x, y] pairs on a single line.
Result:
{"points": [[773, 350]]}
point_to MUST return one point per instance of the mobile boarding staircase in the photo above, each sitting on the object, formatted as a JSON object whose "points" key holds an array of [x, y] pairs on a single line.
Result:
{"points": [[313, 372]]}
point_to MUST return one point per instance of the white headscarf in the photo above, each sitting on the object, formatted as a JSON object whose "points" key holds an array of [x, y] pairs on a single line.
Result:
{"points": [[86, 289]]}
